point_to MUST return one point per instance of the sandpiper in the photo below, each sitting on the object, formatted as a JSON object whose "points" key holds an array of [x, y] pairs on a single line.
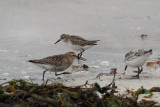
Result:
{"points": [[137, 58], [56, 63], [77, 43]]}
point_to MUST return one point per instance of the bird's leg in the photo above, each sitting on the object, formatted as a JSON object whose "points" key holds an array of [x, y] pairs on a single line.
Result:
{"points": [[43, 74], [66, 73], [125, 67], [139, 71], [62, 73], [80, 54], [56, 74]]}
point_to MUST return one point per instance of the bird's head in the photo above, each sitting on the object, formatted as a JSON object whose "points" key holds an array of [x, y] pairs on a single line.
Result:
{"points": [[149, 52], [63, 38]]}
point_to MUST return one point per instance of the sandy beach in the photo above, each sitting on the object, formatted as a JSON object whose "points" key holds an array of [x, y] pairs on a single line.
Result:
{"points": [[125, 82], [29, 29]]}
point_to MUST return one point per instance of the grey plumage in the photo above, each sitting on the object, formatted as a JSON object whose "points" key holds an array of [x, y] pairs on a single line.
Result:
{"points": [[134, 54]]}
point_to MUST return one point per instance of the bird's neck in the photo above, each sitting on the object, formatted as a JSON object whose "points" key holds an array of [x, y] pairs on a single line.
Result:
{"points": [[66, 40]]}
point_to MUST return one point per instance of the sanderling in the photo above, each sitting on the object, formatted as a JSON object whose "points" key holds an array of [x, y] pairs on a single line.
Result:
{"points": [[56, 63], [77, 43], [136, 59]]}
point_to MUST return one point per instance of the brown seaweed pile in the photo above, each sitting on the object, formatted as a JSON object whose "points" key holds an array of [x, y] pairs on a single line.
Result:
{"points": [[20, 93]]}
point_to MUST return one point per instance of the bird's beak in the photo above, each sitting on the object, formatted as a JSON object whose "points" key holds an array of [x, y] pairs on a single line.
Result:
{"points": [[150, 51], [57, 41], [81, 58]]}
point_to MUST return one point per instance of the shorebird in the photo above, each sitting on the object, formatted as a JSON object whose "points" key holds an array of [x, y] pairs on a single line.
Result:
{"points": [[136, 59], [77, 43], [56, 63]]}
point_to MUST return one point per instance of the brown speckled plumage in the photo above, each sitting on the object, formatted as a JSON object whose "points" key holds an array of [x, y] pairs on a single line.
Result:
{"points": [[77, 43], [77, 40], [56, 63], [56, 60]]}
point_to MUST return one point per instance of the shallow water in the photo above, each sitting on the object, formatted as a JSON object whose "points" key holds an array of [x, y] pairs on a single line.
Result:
{"points": [[29, 29]]}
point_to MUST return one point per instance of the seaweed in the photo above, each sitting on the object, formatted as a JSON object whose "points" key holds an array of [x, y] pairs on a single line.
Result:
{"points": [[155, 89], [21, 93], [143, 90]]}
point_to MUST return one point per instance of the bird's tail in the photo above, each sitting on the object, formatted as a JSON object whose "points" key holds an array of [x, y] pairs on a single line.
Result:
{"points": [[93, 42]]}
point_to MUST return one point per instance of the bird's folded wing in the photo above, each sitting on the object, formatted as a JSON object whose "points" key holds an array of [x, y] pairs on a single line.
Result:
{"points": [[134, 54], [76, 40], [51, 60]]}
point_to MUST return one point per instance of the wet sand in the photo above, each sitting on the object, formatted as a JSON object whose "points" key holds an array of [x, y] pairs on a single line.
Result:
{"points": [[29, 29]]}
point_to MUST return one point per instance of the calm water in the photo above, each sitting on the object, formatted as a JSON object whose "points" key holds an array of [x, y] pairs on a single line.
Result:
{"points": [[28, 30]]}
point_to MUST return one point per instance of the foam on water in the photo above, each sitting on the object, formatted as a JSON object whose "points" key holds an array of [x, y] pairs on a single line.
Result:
{"points": [[106, 63], [5, 74], [26, 77]]}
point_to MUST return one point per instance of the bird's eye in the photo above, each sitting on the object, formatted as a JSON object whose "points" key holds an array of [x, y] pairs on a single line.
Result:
{"points": [[73, 55], [62, 36]]}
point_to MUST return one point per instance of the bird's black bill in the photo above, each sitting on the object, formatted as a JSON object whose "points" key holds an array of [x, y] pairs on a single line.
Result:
{"points": [[57, 41], [150, 50]]}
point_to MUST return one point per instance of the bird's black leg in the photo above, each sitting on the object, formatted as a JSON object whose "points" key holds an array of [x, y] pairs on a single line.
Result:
{"points": [[79, 57], [80, 54], [66, 73], [55, 73], [139, 71], [125, 67], [43, 74], [62, 73]]}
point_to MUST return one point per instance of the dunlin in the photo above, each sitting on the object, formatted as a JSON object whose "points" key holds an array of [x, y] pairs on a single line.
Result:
{"points": [[77, 43], [56, 63], [136, 59]]}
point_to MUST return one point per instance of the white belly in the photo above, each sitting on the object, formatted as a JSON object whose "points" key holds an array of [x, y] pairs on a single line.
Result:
{"points": [[137, 62], [77, 47], [45, 67], [52, 68]]}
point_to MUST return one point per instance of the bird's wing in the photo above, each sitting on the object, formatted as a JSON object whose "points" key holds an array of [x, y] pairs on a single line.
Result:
{"points": [[51, 60], [134, 54], [77, 40]]}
